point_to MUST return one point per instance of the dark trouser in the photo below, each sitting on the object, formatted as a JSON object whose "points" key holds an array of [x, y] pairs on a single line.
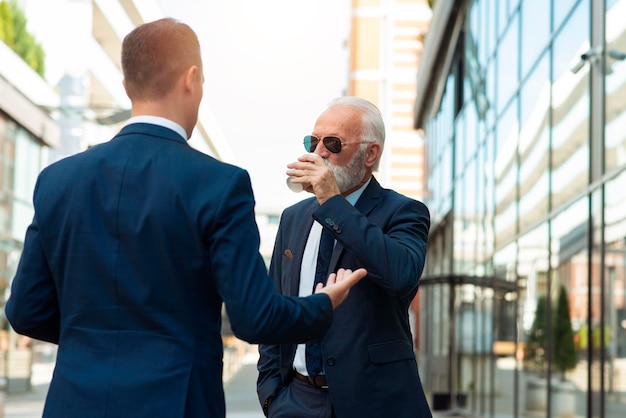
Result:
{"points": [[301, 400]]}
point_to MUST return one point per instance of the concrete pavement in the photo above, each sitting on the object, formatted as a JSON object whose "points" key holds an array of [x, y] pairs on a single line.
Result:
{"points": [[239, 388], [240, 391]]}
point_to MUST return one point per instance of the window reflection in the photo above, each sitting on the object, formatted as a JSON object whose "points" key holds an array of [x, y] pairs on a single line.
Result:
{"points": [[615, 134], [466, 222], [20, 163], [534, 146], [27, 167], [569, 263], [523, 202], [615, 282], [489, 28], [532, 276], [535, 31], [508, 61], [561, 9], [505, 173], [570, 111]]}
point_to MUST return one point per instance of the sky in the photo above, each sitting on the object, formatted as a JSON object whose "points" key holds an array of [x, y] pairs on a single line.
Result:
{"points": [[270, 68]]}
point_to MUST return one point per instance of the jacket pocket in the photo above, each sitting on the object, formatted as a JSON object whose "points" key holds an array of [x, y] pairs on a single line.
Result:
{"points": [[390, 351]]}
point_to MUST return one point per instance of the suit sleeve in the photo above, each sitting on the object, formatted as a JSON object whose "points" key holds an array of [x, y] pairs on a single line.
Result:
{"points": [[257, 313], [392, 247], [32, 308]]}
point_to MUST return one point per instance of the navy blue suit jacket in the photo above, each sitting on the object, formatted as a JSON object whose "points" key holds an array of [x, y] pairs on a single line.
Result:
{"points": [[134, 245], [368, 352]]}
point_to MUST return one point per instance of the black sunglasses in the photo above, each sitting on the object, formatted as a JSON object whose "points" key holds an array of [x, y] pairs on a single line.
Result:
{"points": [[332, 143]]}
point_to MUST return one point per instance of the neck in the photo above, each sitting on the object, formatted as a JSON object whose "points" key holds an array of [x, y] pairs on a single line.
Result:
{"points": [[152, 108]]}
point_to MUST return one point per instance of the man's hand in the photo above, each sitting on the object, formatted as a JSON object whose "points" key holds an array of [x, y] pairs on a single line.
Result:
{"points": [[339, 284], [315, 176]]}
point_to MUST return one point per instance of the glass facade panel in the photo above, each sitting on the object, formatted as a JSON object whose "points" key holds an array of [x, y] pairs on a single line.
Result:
{"points": [[490, 106], [615, 284], [596, 326], [570, 266], [490, 205], [615, 134], [460, 231], [20, 163], [27, 166], [481, 244], [505, 177], [471, 133], [503, 15], [7, 171], [436, 342], [526, 212], [508, 64], [571, 41], [535, 32], [533, 294], [488, 40], [561, 9], [460, 144], [570, 111], [534, 146], [467, 221]]}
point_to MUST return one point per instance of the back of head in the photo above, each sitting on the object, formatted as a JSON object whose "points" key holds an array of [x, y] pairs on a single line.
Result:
{"points": [[155, 54]]}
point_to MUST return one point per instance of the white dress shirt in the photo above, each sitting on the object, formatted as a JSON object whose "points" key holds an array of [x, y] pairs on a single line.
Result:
{"points": [[307, 273], [157, 120]]}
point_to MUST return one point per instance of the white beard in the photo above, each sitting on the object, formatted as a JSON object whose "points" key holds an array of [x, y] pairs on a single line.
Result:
{"points": [[350, 175]]}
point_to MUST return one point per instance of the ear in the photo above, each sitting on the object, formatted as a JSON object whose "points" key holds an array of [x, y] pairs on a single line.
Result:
{"points": [[372, 154], [189, 78]]}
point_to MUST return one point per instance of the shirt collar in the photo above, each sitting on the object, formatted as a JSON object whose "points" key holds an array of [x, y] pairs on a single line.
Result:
{"points": [[157, 120], [354, 196]]}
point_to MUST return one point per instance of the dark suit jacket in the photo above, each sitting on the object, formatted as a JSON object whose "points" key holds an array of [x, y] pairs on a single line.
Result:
{"points": [[134, 245], [368, 351]]}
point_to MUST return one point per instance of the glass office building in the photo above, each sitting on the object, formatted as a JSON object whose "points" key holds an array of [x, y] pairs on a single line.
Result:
{"points": [[523, 107], [26, 132]]}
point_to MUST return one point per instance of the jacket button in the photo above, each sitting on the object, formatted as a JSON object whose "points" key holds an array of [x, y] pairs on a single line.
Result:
{"points": [[330, 361]]}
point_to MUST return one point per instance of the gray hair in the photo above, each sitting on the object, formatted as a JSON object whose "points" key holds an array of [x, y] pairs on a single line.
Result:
{"points": [[372, 124]]}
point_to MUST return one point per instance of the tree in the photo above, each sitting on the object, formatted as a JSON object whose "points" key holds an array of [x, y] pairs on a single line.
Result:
{"points": [[564, 347], [14, 33], [535, 351]]}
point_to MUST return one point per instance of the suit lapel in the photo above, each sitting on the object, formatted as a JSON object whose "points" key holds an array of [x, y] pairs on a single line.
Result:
{"points": [[369, 198], [366, 203]]}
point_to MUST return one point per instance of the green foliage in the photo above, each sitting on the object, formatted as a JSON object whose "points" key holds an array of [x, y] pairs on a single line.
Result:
{"points": [[564, 347], [14, 33], [535, 350]]}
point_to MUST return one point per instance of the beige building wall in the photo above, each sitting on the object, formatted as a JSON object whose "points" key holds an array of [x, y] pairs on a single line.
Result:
{"points": [[385, 47]]}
